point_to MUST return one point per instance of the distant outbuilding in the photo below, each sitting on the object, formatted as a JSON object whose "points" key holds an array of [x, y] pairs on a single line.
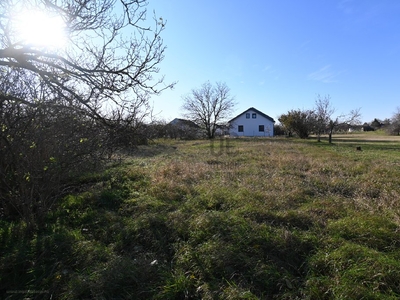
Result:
{"points": [[182, 123], [183, 129]]}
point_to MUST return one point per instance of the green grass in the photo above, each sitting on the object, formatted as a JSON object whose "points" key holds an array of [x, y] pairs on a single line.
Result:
{"points": [[240, 219]]}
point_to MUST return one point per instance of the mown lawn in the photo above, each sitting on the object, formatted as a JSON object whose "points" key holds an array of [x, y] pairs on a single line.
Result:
{"points": [[233, 219]]}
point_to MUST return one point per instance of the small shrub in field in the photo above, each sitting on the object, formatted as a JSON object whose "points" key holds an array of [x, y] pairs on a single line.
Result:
{"points": [[179, 286]]}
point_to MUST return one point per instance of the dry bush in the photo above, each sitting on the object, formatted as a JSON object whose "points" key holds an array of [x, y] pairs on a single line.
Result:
{"points": [[41, 149]]}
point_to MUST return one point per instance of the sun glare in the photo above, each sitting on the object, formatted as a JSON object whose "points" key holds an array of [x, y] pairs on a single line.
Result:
{"points": [[36, 28]]}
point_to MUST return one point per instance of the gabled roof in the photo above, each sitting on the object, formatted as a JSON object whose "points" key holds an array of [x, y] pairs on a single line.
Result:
{"points": [[257, 111], [183, 122]]}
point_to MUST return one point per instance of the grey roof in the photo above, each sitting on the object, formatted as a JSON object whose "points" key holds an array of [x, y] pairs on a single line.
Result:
{"points": [[257, 111], [184, 122]]}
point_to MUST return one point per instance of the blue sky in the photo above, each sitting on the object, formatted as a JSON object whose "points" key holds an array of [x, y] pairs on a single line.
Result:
{"points": [[277, 55]]}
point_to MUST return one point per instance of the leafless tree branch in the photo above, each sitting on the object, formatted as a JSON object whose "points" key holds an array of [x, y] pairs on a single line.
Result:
{"points": [[109, 56]]}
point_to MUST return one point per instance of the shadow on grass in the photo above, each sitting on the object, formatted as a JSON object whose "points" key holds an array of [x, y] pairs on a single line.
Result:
{"points": [[86, 249], [32, 264]]}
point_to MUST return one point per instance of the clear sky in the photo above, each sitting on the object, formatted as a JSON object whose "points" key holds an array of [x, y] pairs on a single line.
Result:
{"points": [[277, 55]]}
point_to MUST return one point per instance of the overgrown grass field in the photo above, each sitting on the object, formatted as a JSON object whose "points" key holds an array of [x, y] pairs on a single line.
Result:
{"points": [[231, 219]]}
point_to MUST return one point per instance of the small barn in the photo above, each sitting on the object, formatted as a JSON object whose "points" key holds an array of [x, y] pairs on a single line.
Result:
{"points": [[183, 129], [251, 123]]}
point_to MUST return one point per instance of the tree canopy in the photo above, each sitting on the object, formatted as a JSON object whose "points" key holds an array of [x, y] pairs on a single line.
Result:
{"points": [[298, 121]]}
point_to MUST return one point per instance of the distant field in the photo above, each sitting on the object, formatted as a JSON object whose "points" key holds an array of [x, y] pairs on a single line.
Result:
{"points": [[366, 137], [262, 218]]}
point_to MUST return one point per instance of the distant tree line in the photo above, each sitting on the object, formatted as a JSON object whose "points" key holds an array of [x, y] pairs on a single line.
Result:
{"points": [[319, 120], [390, 125]]}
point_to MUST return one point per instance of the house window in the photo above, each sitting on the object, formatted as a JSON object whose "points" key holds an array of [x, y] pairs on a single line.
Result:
{"points": [[261, 128], [247, 115], [253, 115], [240, 128]]}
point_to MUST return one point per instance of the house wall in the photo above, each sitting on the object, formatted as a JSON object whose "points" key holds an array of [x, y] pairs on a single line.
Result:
{"points": [[251, 125]]}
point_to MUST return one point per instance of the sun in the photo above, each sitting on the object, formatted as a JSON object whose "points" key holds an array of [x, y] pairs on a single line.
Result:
{"points": [[36, 28]]}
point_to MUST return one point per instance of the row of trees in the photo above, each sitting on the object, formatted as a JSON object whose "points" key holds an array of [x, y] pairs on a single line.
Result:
{"points": [[319, 120], [390, 125]]}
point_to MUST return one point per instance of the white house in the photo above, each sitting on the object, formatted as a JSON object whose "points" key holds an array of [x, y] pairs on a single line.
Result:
{"points": [[252, 122]]}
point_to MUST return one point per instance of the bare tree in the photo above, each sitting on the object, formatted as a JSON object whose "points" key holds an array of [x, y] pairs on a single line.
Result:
{"points": [[208, 106], [394, 127], [348, 120], [324, 121], [323, 112]]}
